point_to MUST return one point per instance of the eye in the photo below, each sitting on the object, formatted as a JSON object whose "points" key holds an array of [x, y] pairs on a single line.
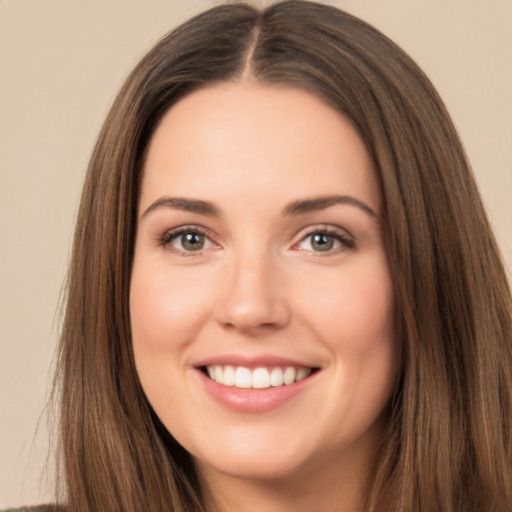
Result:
{"points": [[325, 241], [186, 240], [189, 241]]}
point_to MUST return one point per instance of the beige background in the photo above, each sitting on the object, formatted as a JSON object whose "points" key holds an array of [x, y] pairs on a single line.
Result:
{"points": [[61, 62]]}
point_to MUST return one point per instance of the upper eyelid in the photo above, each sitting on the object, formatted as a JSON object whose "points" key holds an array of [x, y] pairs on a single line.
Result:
{"points": [[330, 229], [187, 228]]}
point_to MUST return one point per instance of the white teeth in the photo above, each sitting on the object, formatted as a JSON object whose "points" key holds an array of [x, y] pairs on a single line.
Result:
{"points": [[289, 375], [276, 377], [302, 373], [243, 377], [217, 374], [259, 378], [229, 376]]}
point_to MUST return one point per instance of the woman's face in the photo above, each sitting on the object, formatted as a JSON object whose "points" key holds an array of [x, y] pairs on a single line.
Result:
{"points": [[261, 300]]}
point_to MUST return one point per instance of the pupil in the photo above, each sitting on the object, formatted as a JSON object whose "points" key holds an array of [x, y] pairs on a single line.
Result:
{"points": [[193, 241], [322, 242]]}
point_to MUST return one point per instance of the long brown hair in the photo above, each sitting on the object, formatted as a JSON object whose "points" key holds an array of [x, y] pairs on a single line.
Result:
{"points": [[448, 444]]}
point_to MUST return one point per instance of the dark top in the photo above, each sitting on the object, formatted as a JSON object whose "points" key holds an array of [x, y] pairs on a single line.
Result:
{"points": [[37, 508]]}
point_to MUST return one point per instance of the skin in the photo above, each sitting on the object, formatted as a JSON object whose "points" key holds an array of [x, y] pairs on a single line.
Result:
{"points": [[259, 286]]}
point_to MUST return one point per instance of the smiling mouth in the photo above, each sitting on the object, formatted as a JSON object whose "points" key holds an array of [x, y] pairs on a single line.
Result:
{"points": [[256, 378]]}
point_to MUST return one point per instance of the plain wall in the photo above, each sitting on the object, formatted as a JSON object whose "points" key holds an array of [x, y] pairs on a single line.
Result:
{"points": [[61, 63]]}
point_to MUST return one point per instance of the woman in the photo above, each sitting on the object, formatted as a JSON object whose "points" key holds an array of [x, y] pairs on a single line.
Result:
{"points": [[284, 290]]}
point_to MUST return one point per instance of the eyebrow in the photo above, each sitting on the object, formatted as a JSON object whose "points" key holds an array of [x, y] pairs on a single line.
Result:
{"points": [[295, 208], [181, 203], [321, 203]]}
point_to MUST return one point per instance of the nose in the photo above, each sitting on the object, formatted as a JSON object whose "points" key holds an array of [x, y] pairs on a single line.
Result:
{"points": [[253, 300]]}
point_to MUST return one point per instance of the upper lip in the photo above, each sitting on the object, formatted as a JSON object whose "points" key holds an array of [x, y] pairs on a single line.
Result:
{"points": [[253, 361]]}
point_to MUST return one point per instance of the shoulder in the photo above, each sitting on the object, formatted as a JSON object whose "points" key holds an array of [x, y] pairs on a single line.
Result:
{"points": [[37, 508]]}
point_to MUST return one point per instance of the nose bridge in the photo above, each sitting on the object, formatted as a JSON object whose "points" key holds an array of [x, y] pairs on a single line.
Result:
{"points": [[253, 297]]}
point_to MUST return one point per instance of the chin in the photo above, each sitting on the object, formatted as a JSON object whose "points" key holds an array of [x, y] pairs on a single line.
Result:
{"points": [[257, 457], [255, 467]]}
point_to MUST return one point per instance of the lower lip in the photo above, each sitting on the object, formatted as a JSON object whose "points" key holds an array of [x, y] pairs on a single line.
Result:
{"points": [[253, 400]]}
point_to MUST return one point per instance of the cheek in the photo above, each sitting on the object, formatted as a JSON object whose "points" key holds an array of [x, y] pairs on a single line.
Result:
{"points": [[359, 311], [355, 321], [166, 308], [166, 313]]}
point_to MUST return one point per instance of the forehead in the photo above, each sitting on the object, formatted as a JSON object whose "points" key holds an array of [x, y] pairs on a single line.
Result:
{"points": [[259, 138]]}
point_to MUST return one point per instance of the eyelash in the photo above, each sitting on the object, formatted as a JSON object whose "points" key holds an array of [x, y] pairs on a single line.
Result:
{"points": [[168, 237], [346, 241]]}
